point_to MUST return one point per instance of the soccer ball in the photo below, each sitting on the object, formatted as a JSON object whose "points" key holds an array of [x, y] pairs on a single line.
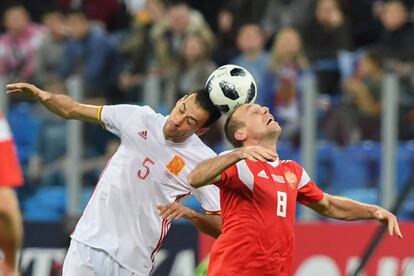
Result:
{"points": [[230, 86]]}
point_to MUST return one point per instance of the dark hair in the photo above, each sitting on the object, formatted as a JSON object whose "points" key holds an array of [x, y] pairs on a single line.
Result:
{"points": [[76, 12], [52, 9], [11, 5], [203, 100], [230, 128], [175, 3]]}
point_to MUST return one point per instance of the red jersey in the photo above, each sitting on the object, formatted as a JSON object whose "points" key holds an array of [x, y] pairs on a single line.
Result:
{"points": [[258, 203], [10, 173]]}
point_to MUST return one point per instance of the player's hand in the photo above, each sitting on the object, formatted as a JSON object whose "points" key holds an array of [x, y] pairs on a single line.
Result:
{"points": [[176, 211], [387, 217], [257, 153], [25, 89]]}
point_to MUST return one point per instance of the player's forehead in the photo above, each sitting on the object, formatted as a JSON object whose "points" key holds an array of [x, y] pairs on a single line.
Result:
{"points": [[193, 109], [245, 110]]}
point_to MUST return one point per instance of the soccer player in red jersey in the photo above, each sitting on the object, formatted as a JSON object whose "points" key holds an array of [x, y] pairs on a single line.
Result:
{"points": [[10, 217], [258, 195]]}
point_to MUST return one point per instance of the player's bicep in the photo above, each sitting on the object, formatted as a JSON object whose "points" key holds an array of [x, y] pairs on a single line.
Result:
{"points": [[320, 206], [88, 112]]}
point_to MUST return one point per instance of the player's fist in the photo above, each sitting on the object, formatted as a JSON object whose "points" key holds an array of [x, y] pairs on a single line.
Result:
{"points": [[25, 89], [257, 153], [391, 220]]}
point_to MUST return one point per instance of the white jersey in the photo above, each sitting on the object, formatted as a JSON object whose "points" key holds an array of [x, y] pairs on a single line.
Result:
{"points": [[121, 217]]}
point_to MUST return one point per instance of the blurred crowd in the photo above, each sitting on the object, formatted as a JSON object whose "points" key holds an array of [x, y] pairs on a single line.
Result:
{"points": [[155, 51]]}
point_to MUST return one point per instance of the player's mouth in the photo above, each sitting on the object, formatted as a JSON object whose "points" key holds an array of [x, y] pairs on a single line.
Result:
{"points": [[270, 120]]}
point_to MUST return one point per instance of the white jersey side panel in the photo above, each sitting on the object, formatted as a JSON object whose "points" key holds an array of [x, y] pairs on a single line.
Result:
{"points": [[121, 216]]}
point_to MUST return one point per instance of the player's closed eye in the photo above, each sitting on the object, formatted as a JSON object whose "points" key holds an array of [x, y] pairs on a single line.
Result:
{"points": [[191, 122]]}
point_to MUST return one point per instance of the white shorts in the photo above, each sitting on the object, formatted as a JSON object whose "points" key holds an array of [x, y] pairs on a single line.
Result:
{"points": [[82, 260]]}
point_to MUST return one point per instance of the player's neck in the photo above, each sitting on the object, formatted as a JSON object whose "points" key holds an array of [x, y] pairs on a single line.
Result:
{"points": [[177, 140], [266, 143]]}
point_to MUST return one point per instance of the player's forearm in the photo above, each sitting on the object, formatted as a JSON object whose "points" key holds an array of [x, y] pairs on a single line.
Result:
{"points": [[66, 107], [208, 224], [10, 227], [61, 105], [348, 209], [207, 171]]}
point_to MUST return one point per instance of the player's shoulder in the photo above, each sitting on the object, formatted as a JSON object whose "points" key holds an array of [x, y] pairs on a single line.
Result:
{"points": [[199, 149], [203, 150], [291, 164]]}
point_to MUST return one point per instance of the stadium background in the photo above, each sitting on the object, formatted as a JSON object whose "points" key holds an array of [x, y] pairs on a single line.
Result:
{"points": [[338, 75]]}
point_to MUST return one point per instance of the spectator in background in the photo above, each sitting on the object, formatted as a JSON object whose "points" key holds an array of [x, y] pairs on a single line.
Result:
{"points": [[170, 32], [18, 45], [195, 65], [109, 13], [167, 37], [137, 51], [364, 25], [325, 35], [365, 90], [397, 44], [226, 46], [11, 229], [89, 53], [50, 53], [281, 85], [398, 36], [280, 14], [253, 57]]}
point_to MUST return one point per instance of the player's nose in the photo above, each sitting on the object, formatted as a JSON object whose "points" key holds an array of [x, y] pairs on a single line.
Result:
{"points": [[177, 120]]}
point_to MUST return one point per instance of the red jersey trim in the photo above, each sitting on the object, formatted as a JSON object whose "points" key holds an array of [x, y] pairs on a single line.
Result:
{"points": [[164, 229]]}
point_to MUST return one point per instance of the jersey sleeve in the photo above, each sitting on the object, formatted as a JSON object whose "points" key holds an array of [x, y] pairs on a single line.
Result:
{"points": [[209, 198], [226, 177], [115, 117], [308, 191]]}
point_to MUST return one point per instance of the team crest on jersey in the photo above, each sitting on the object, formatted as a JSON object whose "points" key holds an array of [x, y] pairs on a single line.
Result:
{"points": [[176, 165], [292, 180]]}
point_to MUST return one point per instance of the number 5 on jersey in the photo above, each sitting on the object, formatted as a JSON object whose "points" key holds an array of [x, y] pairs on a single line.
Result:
{"points": [[145, 169]]}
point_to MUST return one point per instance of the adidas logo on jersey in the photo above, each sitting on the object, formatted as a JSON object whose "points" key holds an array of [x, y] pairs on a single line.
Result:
{"points": [[263, 174], [278, 178], [143, 134]]}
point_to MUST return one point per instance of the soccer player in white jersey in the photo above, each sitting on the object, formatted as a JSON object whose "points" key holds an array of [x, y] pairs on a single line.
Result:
{"points": [[121, 230]]}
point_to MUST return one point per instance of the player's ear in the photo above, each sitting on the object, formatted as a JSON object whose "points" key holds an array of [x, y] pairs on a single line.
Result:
{"points": [[201, 131], [240, 135]]}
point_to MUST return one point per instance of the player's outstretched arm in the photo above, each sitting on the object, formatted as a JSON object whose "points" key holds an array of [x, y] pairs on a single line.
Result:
{"points": [[209, 170], [61, 105], [208, 224], [348, 209], [11, 231]]}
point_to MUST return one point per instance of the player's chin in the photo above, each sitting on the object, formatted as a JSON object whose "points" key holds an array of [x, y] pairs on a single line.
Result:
{"points": [[274, 126]]}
